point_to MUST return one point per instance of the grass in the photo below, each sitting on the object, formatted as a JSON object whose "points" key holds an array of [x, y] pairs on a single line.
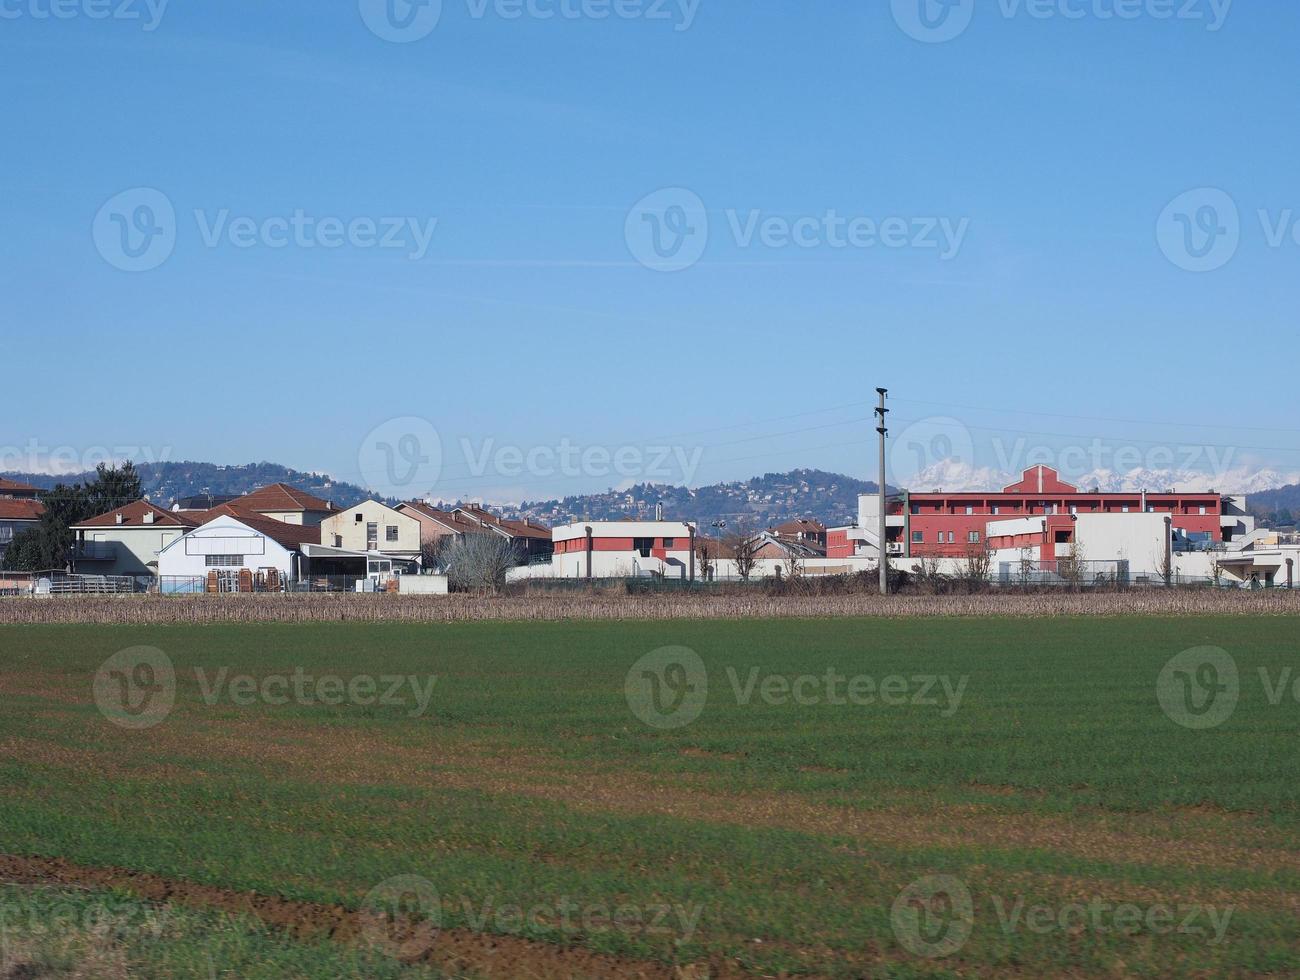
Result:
{"points": [[765, 835]]}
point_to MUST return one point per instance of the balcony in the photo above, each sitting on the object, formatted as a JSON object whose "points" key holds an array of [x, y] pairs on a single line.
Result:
{"points": [[94, 551]]}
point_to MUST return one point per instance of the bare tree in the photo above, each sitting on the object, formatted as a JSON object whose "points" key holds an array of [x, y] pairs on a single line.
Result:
{"points": [[1071, 567], [704, 553], [793, 562], [744, 545], [1026, 565], [1164, 562], [974, 571], [479, 562], [929, 576]]}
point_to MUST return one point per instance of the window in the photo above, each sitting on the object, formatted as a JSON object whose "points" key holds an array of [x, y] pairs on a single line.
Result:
{"points": [[224, 561], [1124, 509], [670, 542], [1202, 510], [372, 536], [916, 508], [973, 537], [360, 518], [970, 510], [390, 533], [643, 546], [918, 537], [997, 509], [338, 541], [952, 537]]}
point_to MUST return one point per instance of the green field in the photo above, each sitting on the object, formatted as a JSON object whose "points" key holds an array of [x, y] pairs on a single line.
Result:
{"points": [[767, 816]]}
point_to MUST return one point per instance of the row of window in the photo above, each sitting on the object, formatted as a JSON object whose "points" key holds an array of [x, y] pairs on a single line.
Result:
{"points": [[972, 537], [917, 509], [224, 561]]}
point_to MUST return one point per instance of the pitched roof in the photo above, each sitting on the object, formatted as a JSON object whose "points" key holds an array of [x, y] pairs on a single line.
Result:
{"points": [[20, 510], [13, 486], [452, 522], [800, 525], [516, 529], [291, 536], [133, 516], [282, 497]]}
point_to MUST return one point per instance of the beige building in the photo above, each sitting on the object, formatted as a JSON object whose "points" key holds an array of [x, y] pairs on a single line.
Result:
{"points": [[127, 541], [372, 526]]}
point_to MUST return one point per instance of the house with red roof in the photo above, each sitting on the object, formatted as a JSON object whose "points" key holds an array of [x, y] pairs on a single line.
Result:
{"points": [[289, 505], [127, 540], [16, 515]]}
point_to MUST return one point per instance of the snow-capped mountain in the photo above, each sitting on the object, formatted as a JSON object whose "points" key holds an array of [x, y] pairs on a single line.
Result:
{"points": [[956, 476]]}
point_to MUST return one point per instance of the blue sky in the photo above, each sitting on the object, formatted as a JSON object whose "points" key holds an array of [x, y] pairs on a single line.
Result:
{"points": [[990, 226]]}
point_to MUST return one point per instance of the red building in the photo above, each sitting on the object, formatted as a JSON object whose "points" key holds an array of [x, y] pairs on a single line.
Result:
{"points": [[949, 524]]}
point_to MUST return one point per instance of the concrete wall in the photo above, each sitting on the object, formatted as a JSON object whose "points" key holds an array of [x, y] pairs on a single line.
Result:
{"points": [[133, 548], [350, 526]]}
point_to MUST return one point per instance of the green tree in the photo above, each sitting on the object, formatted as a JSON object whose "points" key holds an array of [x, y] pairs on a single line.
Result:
{"points": [[47, 545]]}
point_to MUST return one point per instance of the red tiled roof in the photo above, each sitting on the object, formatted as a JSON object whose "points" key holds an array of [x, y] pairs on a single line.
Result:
{"points": [[516, 529], [133, 516], [282, 497], [13, 486], [801, 525], [291, 536], [452, 521], [20, 510]]}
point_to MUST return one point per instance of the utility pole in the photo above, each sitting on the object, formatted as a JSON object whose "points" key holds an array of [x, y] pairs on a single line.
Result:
{"points": [[881, 412]]}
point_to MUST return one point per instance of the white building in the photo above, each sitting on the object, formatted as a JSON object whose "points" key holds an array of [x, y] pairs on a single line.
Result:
{"points": [[624, 549], [229, 544]]}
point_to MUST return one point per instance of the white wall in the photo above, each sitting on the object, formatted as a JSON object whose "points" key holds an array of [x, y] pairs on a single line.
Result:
{"points": [[225, 536], [134, 548], [353, 531]]}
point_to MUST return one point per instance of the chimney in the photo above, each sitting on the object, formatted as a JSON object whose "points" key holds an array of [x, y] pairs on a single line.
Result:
{"points": [[118, 517], [148, 517], [659, 511]]}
